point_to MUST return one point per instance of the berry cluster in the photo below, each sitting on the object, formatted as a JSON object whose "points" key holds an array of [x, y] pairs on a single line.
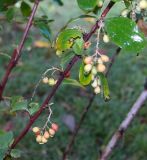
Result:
{"points": [[93, 65], [43, 136], [50, 81]]}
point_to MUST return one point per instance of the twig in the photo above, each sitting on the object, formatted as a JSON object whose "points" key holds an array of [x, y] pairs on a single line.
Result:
{"points": [[85, 111], [124, 125], [17, 52], [60, 79]]}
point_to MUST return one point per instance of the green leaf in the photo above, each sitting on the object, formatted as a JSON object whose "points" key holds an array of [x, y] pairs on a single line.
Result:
{"points": [[73, 82], [87, 5], [15, 153], [105, 86], [84, 78], [59, 2], [44, 29], [33, 108], [2, 153], [6, 139], [25, 9], [78, 46], [10, 13], [125, 34], [65, 58], [66, 38], [18, 104]]}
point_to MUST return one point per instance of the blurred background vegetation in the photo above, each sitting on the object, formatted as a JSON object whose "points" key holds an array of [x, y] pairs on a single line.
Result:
{"points": [[126, 80]]}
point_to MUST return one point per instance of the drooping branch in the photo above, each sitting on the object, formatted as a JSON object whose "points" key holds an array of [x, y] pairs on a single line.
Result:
{"points": [[17, 52], [124, 125], [85, 111], [60, 79]]}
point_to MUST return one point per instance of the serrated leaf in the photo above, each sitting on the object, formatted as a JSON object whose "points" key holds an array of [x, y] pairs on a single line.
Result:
{"points": [[25, 9], [33, 108], [105, 86], [87, 5], [66, 38], [84, 78], [125, 34], [5, 139], [78, 46], [15, 153], [73, 82], [18, 104]]}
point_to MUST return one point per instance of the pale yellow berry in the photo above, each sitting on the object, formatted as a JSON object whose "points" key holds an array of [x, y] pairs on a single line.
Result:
{"points": [[88, 60], [44, 140], [46, 135], [98, 82], [100, 3], [99, 61], [106, 38], [124, 12], [101, 68], [36, 129], [104, 58], [58, 53], [51, 132], [51, 81], [94, 71], [97, 90], [143, 4], [94, 84], [87, 67], [45, 80], [39, 138]]}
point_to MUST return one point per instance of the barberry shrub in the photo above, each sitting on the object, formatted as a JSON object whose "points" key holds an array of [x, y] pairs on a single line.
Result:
{"points": [[109, 25]]}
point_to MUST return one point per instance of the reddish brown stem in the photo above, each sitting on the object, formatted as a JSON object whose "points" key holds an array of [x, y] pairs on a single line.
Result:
{"points": [[17, 52], [62, 76]]}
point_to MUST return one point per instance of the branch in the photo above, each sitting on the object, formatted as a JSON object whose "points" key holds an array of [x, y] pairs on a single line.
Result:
{"points": [[85, 111], [17, 52], [124, 125], [60, 79]]}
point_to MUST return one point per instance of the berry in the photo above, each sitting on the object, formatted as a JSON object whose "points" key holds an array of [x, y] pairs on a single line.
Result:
{"points": [[51, 82], [36, 129], [94, 71], [39, 138], [45, 80], [104, 58], [143, 4], [55, 127], [46, 135], [51, 132], [124, 13], [44, 140], [88, 60], [97, 90], [58, 53], [94, 84], [100, 61], [106, 38], [100, 3], [87, 68], [101, 68]]}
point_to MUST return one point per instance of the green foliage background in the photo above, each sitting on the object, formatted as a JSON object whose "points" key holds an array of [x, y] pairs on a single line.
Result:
{"points": [[126, 81]]}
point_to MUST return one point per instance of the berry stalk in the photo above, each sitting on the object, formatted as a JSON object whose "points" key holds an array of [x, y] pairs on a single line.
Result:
{"points": [[61, 78]]}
